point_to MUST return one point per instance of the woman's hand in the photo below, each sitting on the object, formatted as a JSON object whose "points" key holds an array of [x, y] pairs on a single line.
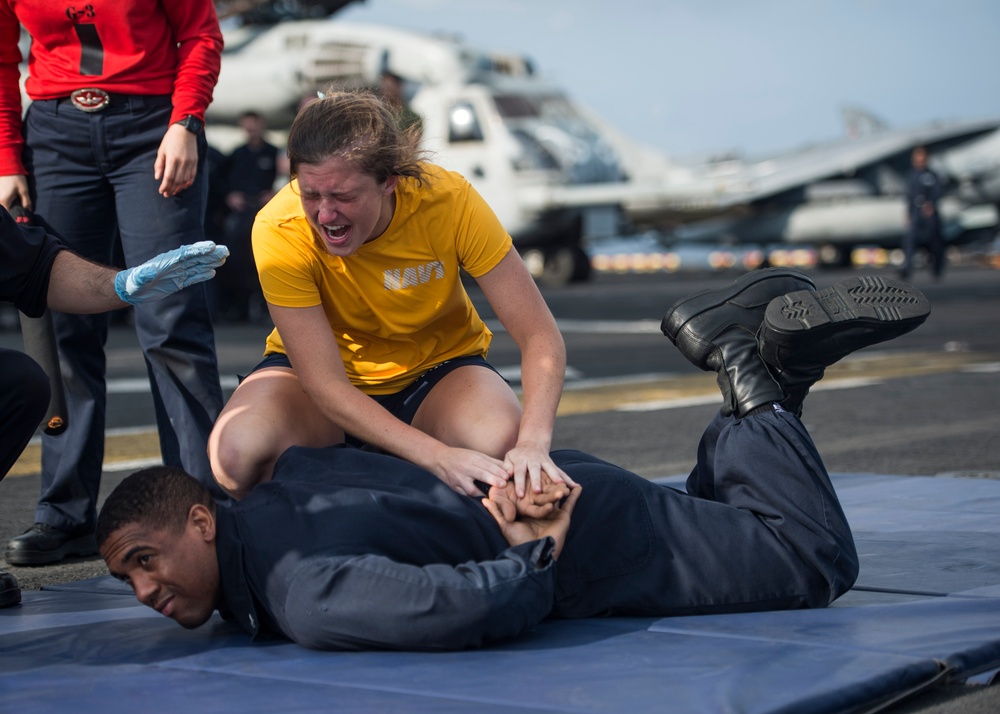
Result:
{"points": [[14, 190], [461, 468], [528, 462], [176, 161]]}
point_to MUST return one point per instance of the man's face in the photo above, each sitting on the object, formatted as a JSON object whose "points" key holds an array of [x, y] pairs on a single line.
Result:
{"points": [[345, 207], [919, 158], [173, 571], [253, 126]]}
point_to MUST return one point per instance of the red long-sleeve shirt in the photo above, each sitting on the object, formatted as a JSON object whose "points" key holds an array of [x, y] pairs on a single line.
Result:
{"points": [[123, 46]]}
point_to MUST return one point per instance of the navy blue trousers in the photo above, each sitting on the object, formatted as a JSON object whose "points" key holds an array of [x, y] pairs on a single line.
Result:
{"points": [[758, 528], [924, 232], [92, 182]]}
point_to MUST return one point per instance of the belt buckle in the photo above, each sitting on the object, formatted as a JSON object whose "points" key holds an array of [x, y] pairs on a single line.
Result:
{"points": [[90, 100]]}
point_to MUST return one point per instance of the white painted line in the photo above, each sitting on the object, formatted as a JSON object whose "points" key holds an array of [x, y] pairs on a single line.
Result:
{"points": [[846, 384], [610, 327], [607, 327], [671, 403], [984, 368], [133, 465], [140, 385]]}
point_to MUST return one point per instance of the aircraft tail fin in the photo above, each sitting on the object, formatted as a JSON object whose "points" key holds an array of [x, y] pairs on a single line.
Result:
{"points": [[860, 122]]}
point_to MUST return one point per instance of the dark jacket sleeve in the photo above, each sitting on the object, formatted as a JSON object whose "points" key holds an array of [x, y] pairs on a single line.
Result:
{"points": [[371, 602], [26, 257]]}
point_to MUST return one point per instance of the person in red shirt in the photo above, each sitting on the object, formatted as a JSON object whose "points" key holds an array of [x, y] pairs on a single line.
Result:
{"points": [[112, 146]]}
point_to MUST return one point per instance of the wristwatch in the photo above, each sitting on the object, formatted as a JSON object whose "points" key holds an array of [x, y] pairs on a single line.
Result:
{"points": [[192, 124]]}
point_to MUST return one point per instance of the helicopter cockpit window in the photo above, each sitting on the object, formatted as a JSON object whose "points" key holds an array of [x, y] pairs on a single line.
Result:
{"points": [[514, 106], [531, 153], [547, 106], [463, 124]]}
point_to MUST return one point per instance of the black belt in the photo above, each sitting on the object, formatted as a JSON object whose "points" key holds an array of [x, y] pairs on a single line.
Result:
{"points": [[92, 100]]}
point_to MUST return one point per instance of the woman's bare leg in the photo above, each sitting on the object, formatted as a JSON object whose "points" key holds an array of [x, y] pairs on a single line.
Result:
{"points": [[472, 408]]}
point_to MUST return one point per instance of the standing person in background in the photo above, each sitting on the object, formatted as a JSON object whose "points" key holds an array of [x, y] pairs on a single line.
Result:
{"points": [[923, 225], [113, 146], [391, 87], [360, 259], [250, 172]]}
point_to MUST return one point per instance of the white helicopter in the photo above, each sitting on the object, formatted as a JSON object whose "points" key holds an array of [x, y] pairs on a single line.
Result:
{"points": [[487, 116]]}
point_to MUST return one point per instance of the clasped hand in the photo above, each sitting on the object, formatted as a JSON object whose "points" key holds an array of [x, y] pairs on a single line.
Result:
{"points": [[534, 515], [169, 272]]}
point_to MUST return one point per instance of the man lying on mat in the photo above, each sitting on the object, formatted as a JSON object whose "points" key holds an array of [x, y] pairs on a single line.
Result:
{"points": [[347, 549]]}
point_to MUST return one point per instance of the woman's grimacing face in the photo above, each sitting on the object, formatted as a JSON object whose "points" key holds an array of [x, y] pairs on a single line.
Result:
{"points": [[345, 207]]}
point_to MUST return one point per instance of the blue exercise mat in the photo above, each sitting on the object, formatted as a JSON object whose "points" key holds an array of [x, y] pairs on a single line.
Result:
{"points": [[926, 608]]}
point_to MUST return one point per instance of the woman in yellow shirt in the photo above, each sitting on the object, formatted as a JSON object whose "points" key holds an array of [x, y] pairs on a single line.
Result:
{"points": [[376, 341]]}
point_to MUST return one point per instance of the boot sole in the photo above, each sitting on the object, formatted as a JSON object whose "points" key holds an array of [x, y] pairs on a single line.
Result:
{"points": [[82, 546], [845, 317], [685, 310]]}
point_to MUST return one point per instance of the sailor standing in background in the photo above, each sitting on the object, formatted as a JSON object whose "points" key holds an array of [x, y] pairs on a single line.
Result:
{"points": [[923, 225]]}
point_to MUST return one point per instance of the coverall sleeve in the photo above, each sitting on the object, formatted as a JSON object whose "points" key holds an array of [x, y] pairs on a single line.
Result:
{"points": [[26, 257], [372, 602]]}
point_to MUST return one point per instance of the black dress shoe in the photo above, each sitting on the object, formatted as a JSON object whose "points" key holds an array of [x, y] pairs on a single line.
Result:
{"points": [[716, 330], [42, 544], [10, 592], [804, 332]]}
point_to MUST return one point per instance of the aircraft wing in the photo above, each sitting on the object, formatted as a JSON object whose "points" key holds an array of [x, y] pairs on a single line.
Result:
{"points": [[683, 194], [849, 158]]}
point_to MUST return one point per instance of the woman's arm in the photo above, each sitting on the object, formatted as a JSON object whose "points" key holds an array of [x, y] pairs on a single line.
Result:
{"points": [[519, 305]]}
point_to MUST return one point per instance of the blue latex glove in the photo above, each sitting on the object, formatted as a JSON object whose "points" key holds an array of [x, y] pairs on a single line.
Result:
{"points": [[169, 272]]}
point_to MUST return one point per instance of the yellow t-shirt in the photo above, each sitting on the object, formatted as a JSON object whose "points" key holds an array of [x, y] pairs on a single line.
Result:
{"points": [[397, 305]]}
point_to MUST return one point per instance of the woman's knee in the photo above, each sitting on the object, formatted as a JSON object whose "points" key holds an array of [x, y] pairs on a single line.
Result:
{"points": [[248, 437], [240, 457]]}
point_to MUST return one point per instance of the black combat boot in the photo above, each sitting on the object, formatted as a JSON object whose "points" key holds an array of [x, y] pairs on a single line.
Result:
{"points": [[806, 331], [716, 330]]}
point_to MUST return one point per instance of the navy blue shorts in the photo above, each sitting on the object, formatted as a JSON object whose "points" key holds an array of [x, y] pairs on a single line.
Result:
{"points": [[402, 404]]}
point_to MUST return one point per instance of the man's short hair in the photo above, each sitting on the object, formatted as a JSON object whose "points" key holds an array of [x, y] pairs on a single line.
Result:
{"points": [[157, 497]]}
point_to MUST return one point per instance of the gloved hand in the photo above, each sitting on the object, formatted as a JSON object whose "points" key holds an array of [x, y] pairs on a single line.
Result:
{"points": [[169, 272]]}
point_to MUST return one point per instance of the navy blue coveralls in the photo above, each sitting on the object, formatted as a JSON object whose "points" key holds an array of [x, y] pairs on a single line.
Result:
{"points": [[91, 178], [923, 188], [26, 257], [347, 549], [252, 172]]}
